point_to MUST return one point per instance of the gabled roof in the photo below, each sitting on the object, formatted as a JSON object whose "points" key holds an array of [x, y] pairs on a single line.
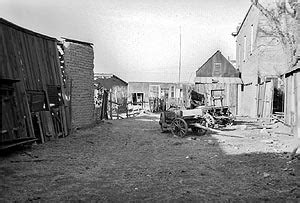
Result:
{"points": [[108, 80], [226, 69], [208, 60]]}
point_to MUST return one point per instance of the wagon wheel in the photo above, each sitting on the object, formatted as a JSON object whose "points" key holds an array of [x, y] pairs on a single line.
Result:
{"points": [[162, 122], [200, 131], [179, 127]]}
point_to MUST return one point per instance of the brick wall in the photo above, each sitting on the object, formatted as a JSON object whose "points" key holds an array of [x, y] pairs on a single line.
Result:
{"points": [[79, 64]]}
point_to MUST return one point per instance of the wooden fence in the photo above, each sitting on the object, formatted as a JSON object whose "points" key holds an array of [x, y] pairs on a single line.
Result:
{"points": [[116, 110]]}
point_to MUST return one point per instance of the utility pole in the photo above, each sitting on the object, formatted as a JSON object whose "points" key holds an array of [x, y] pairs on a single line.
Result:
{"points": [[179, 53]]}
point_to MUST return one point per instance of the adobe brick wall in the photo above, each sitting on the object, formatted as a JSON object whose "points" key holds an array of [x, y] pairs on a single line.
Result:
{"points": [[79, 65]]}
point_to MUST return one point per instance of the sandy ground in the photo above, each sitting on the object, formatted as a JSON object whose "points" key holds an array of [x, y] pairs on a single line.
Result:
{"points": [[131, 160]]}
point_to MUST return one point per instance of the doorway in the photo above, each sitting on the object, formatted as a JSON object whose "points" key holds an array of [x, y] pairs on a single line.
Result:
{"points": [[138, 99], [278, 97]]}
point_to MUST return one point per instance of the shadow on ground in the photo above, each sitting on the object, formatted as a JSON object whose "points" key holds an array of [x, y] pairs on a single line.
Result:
{"points": [[131, 160]]}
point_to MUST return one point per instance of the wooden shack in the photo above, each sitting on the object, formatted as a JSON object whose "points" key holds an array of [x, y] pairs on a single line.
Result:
{"points": [[218, 80], [110, 96], [31, 86], [158, 96]]}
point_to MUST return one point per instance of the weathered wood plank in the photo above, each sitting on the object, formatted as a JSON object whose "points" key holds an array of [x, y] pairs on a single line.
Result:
{"points": [[3, 55], [33, 59]]}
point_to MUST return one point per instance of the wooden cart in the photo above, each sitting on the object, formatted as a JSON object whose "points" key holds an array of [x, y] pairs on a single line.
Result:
{"points": [[180, 121]]}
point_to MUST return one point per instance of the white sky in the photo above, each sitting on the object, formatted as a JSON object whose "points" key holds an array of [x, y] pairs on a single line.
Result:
{"points": [[138, 40]]}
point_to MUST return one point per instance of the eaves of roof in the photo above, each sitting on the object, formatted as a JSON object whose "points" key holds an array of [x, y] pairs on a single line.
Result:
{"points": [[25, 30], [235, 34]]}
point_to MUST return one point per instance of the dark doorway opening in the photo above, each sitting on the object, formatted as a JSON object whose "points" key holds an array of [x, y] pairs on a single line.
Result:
{"points": [[278, 97], [138, 98]]}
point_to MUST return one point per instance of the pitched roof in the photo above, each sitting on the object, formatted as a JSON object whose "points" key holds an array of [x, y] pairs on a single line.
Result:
{"points": [[25, 30], [208, 60], [238, 31], [109, 80], [208, 70]]}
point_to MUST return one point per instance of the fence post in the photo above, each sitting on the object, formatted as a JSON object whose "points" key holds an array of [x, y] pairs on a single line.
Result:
{"points": [[117, 111], [110, 104], [126, 109]]}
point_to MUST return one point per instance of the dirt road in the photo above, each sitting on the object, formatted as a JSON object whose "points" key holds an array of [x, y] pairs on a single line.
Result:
{"points": [[131, 160]]}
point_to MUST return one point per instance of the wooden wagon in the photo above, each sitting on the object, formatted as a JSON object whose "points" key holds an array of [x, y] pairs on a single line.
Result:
{"points": [[199, 120], [179, 121]]}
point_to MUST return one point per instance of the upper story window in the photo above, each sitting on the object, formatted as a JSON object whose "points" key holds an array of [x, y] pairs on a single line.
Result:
{"points": [[251, 39], [154, 91], [164, 92], [239, 60], [217, 69], [245, 48]]}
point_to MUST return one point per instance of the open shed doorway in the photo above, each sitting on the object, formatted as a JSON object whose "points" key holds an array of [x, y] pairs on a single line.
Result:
{"points": [[270, 98], [138, 99], [278, 97]]}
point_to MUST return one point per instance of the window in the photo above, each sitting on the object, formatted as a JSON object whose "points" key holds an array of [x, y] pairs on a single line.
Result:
{"points": [[217, 69], [137, 98], [251, 39], [172, 90], [154, 91], [164, 92], [245, 47], [238, 61]]}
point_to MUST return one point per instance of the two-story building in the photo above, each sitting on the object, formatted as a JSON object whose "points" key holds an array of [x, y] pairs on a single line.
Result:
{"points": [[261, 59]]}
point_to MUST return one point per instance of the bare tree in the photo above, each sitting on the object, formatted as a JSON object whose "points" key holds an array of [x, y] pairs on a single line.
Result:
{"points": [[282, 21]]}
